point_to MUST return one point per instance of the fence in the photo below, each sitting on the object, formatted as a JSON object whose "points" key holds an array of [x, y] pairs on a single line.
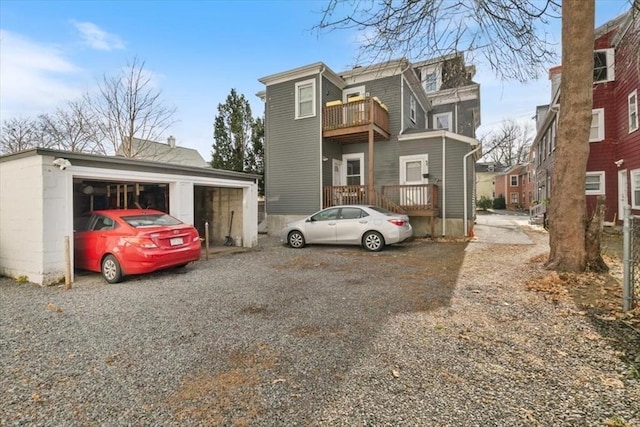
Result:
{"points": [[631, 257]]}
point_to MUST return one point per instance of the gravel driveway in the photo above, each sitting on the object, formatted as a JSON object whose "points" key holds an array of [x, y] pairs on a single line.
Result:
{"points": [[424, 333]]}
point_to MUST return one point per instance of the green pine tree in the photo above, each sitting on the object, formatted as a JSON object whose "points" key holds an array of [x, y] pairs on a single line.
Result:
{"points": [[232, 133]]}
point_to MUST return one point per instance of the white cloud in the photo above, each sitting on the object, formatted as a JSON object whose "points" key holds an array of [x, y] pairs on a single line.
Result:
{"points": [[33, 77], [98, 39]]}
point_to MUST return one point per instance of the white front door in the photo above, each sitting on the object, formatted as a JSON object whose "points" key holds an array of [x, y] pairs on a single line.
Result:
{"points": [[414, 170], [622, 193]]}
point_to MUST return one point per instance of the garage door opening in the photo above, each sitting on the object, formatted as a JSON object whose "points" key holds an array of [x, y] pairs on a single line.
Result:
{"points": [[90, 195], [215, 206]]}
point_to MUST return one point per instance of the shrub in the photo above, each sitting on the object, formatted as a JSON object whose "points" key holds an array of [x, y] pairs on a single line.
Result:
{"points": [[484, 203], [499, 203]]}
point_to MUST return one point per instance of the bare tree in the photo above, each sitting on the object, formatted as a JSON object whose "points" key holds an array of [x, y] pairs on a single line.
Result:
{"points": [[128, 107], [509, 144], [508, 34], [72, 129], [20, 133]]}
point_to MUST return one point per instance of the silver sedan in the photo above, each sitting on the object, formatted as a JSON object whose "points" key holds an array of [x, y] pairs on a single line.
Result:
{"points": [[369, 226]]}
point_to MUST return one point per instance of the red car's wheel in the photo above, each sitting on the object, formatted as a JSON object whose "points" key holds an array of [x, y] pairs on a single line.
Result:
{"points": [[111, 270]]}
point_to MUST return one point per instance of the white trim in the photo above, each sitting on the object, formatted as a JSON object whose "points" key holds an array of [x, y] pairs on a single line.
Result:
{"points": [[610, 55], [314, 95], [438, 133], [511, 184], [301, 72], [599, 112], [351, 90], [423, 158], [632, 108], [635, 204], [450, 96], [623, 194], [601, 190], [449, 116], [352, 156]]}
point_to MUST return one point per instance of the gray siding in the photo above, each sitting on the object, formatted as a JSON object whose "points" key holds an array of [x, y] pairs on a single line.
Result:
{"points": [[462, 116], [452, 183], [330, 150], [293, 153], [406, 102]]}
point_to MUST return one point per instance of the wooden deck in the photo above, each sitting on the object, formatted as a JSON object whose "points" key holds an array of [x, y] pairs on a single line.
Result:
{"points": [[351, 122], [412, 200]]}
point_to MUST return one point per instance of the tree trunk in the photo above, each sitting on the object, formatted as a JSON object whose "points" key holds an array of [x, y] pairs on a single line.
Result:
{"points": [[592, 242], [567, 208]]}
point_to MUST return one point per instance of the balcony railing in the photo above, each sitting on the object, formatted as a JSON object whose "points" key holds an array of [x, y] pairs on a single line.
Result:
{"points": [[350, 122]]}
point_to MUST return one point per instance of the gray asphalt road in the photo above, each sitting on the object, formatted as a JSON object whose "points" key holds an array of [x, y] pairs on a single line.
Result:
{"points": [[502, 227]]}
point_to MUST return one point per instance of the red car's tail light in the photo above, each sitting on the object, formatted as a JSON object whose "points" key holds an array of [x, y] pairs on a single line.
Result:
{"points": [[140, 242], [397, 222]]}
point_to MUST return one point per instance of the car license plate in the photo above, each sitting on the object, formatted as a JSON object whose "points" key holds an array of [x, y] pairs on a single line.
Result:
{"points": [[176, 241]]}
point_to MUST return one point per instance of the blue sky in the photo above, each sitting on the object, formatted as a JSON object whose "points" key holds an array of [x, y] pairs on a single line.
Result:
{"points": [[52, 51]]}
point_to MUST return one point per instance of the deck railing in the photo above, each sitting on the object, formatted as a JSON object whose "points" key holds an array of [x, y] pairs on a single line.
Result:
{"points": [[418, 197], [355, 113], [396, 198]]}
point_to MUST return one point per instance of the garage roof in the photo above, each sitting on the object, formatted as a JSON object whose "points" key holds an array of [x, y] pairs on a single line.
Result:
{"points": [[117, 162]]}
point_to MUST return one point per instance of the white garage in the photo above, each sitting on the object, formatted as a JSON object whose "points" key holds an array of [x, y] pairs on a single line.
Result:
{"points": [[42, 191]]}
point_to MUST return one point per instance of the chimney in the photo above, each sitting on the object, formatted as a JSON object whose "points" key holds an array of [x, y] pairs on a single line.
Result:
{"points": [[171, 141], [555, 73]]}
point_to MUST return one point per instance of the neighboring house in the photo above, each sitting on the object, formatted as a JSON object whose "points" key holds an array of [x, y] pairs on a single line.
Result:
{"points": [[486, 173], [42, 191], [511, 184], [613, 168], [143, 149], [395, 134]]}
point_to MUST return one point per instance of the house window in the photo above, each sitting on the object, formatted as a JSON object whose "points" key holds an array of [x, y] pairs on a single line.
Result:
{"points": [[442, 121], [414, 169], [354, 170], [514, 198], [633, 111], [603, 65], [597, 125], [635, 189], [431, 78], [514, 180], [594, 183], [305, 99], [412, 109]]}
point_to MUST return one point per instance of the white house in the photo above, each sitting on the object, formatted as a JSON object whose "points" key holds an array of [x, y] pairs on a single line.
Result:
{"points": [[42, 191]]}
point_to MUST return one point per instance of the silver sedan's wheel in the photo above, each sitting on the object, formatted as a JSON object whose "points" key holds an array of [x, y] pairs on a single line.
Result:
{"points": [[296, 239], [111, 270], [373, 241]]}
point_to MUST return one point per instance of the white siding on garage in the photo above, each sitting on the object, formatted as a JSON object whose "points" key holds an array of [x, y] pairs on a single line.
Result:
{"points": [[36, 209]]}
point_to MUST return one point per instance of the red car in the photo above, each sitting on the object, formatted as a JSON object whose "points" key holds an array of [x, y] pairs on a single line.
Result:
{"points": [[121, 242]]}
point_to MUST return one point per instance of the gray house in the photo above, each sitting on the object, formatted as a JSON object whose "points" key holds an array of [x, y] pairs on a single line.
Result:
{"points": [[395, 134]]}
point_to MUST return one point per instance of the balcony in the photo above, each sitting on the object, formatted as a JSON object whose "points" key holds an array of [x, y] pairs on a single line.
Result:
{"points": [[351, 122]]}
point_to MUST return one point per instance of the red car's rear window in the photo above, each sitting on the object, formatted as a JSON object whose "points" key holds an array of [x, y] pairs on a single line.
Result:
{"points": [[151, 220]]}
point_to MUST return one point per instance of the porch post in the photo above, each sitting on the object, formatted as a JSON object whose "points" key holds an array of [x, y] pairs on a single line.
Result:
{"points": [[370, 169]]}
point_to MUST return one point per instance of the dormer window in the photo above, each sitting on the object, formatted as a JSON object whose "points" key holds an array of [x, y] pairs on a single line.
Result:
{"points": [[431, 78], [603, 66]]}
